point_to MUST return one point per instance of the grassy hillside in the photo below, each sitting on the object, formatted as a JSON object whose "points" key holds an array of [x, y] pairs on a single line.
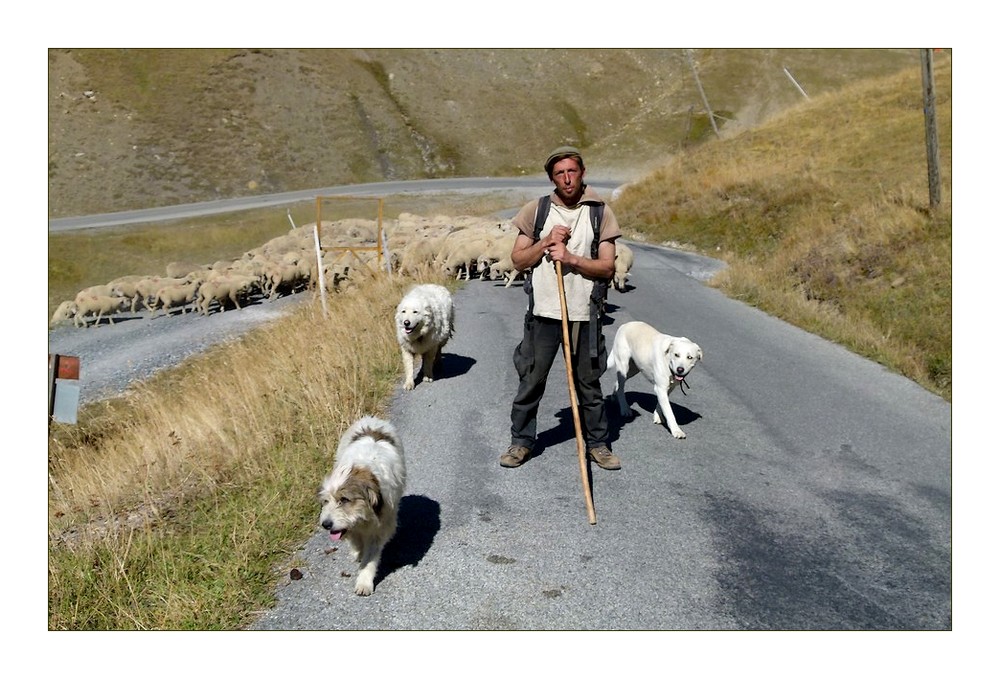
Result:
{"points": [[823, 214], [140, 128]]}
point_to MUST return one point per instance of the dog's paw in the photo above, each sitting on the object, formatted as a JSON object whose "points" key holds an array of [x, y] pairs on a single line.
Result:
{"points": [[408, 385], [364, 588], [678, 434], [428, 379]]}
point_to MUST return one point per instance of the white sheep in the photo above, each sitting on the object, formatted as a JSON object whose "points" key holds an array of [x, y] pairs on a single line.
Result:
{"points": [[418, 254], [147, 287], [100, 290], [178, 295], [624, 258], [285, 277], [181, 269], [64, 312], [463, 255], [335, 275], [231, 288], [125, 286], [100, 305], [500, 246], [504, 269]]}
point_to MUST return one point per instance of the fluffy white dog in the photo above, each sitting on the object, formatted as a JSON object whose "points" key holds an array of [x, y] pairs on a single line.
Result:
{"points": [[361, 495], [425, 321], [664, 360]]}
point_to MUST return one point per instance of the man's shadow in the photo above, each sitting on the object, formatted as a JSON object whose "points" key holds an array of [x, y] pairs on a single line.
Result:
{"points": [[641, 404], [564, 430], [419, 522]]}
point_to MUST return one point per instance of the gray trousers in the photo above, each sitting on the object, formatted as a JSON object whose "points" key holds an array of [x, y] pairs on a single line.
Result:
{"points": [[533, 359]]}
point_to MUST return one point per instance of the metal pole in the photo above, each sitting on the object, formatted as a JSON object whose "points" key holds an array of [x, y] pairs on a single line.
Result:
{"points": [[319, 253], [319, 268]]}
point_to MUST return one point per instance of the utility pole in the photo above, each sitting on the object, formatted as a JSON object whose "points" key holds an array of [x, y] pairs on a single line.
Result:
{"points": [[930, 128], [794, 82], [704, 99]]}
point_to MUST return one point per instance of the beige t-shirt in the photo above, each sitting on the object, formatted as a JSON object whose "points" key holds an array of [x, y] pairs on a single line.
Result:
{"points": [[543, 278]]}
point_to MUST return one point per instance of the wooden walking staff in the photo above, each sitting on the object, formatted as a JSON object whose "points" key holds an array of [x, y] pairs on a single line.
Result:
{"points": [[580, 448]]}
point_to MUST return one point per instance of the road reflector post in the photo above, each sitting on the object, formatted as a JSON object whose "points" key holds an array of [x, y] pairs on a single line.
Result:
{"points": [[64, 388]]}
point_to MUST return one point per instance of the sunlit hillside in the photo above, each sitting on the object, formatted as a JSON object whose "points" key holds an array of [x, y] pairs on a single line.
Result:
{"points": [[824, 215], [142, 128]]}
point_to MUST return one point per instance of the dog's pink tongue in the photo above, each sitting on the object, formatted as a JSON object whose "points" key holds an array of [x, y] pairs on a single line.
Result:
{"points": [[336, 534]]}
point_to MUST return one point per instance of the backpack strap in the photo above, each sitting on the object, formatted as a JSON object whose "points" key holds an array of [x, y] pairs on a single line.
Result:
{"points": [[541, 213], [599, 293], [596, 216]]}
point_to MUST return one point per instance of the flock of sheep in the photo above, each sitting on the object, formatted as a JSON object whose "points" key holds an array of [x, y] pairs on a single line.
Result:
{"points": [[462, 247]]}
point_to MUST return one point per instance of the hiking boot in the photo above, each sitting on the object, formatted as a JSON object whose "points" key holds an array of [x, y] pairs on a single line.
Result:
{"points": [[604, 458], [515, 456]]}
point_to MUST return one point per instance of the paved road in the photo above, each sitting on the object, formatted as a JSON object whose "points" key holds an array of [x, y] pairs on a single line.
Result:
{"points": [[532, 186], [813, 490]]}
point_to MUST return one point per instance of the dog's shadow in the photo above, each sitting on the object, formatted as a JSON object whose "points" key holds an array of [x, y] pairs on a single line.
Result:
{"points": [[452, 365], [418, 523], [644, 403]]}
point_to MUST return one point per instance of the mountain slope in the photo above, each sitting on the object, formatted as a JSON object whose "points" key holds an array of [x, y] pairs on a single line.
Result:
{"points": [[140, 128]]}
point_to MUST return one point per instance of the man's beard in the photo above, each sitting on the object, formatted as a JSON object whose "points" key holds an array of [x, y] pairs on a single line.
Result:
{"points": [[571, 198]]}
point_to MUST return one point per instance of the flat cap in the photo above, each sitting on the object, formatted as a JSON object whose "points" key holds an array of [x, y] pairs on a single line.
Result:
{"points": [[559, 154]]}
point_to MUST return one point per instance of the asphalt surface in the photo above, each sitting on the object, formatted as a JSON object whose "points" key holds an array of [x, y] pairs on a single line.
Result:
{"points": [[529, 186], [813, 491], [114, 356]]}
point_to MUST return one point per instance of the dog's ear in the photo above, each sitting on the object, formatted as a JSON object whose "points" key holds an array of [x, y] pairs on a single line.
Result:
{"points": [[701, 354], [375, 499], [323, 492]]}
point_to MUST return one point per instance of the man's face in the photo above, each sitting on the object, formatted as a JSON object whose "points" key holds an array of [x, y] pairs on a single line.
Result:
{"points": [[568, 178]]}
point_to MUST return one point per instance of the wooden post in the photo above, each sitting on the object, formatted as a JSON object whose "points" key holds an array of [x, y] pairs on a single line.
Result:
{"points": [[383, 242], [573, 405], [930, 129]]}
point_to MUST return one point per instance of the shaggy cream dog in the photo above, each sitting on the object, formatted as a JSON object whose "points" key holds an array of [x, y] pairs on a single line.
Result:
{"points": [[361, 495], [425, 321], [662, 359]]}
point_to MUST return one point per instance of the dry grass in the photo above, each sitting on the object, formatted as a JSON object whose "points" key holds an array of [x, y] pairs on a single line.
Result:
{"points": [[169, 508], [823, 217]]}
